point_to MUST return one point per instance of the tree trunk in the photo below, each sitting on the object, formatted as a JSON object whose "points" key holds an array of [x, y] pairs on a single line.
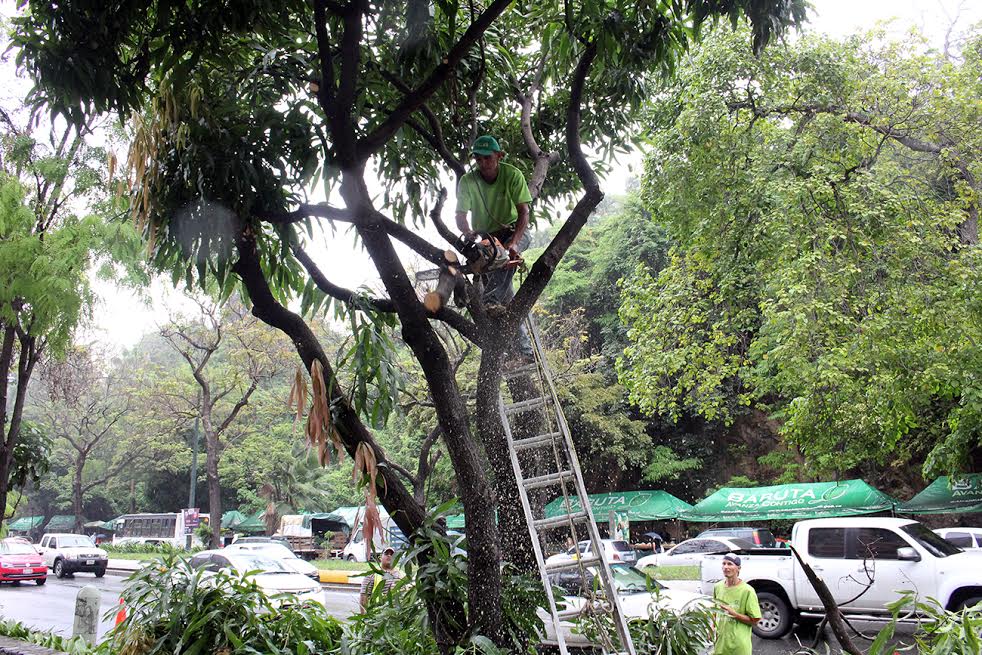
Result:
{"points": [[483, 554], [515, 539], [77, 493], [212, 455]]}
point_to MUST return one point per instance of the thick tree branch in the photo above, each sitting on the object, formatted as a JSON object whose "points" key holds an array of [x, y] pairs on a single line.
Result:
{"points": [[545, 266], [433, 136], [304, 212], [334, 291], [377, 138]]}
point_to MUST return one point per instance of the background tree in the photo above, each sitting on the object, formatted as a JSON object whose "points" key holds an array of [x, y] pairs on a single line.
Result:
{"points": [[822, 272], [236, 113], [223, 388], [83, 410], [48, 246]]}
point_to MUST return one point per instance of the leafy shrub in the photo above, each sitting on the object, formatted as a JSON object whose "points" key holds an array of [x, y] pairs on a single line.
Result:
{"points": [[72, 646], [942, 632], [173, 608]]}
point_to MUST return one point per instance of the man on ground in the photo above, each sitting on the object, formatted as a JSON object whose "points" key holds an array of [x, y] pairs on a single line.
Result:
{"points": [[739, 601], [386, 580]]}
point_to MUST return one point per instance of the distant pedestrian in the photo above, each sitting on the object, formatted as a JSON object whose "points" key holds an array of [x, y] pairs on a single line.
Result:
{"points": [[739, 601], [387, 579]]}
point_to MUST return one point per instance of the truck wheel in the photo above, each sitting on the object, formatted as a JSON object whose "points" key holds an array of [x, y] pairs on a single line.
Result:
{"points": [[100, 573], [40, 581], [59, 569], [351, 558], [775, 615]]}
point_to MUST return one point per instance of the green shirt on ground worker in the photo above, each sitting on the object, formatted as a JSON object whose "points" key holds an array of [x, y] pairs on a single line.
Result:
{"points": [[732, 636], [493, 206]]}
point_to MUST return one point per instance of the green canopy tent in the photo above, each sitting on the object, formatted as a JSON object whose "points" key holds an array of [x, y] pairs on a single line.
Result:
{"points": [[960, 495], [639, 505], [25, 523], [806, 500], [239, 522]]}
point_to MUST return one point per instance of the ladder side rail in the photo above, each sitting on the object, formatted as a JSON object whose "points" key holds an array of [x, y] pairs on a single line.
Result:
{"points": [[529, 521], [607, 576]]}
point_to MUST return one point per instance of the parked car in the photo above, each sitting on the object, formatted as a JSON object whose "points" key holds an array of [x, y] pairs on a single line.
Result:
{"points": [[615, 552], [281, 584], [636, 591], [280, 552], [964, 538], [20, 562], [691, 551], [760, 537], [67, 554], [865, 561]]}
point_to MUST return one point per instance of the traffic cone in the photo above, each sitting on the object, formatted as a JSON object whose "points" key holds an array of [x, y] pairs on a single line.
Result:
{"points": [[121, 614]]}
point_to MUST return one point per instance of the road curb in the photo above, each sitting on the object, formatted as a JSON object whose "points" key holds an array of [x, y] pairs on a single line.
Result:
{"points": [[341, 577]]}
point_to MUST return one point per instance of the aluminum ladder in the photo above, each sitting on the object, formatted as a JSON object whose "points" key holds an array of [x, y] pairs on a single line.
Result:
{"points": [[558, 468]]}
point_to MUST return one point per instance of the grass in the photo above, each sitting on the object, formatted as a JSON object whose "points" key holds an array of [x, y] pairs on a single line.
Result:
{"points": [[136, 556], [673, 572], [339, 565]]}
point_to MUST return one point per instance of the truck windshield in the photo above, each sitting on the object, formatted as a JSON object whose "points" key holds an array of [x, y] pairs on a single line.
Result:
{"points": [[930, 541]]}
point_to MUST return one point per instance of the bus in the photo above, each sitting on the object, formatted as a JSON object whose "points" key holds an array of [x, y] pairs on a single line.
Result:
{"points": [[153, 529]]}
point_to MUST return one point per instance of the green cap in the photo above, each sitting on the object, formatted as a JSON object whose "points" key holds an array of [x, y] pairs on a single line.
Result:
{"points": [[485, 145]]}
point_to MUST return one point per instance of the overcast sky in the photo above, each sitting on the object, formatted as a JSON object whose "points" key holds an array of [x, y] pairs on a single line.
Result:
{"points": [[123, 316]]}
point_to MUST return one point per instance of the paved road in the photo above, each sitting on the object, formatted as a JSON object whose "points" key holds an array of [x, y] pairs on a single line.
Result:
{"points": [[52, 606], [806, 637]]}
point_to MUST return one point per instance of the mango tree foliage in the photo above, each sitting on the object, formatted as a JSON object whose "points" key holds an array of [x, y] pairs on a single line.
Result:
{"points": [[237, 115], [823, 202]]}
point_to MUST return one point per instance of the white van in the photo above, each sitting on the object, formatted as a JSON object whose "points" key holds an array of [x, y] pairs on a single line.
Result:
{"points": [[391, 536]]}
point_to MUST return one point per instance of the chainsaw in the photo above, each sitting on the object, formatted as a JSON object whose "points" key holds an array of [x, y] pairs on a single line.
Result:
{"points": [[483, 253]]}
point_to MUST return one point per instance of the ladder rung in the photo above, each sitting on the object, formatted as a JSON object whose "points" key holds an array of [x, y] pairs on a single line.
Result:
{"points": [[566, 565], [528, 369], [547, 480], [531, 403], [560, 521], [537, 441]]}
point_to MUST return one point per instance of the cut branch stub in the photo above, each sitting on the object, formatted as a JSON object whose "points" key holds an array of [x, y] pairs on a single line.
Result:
{"points": [[321, 432]]}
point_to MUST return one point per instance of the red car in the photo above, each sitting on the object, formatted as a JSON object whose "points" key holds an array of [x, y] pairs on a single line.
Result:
{"points": [[19, 561]]}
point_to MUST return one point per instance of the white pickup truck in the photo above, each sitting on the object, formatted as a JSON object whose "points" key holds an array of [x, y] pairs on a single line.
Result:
{"points": [[865, 562], [67, 553]]}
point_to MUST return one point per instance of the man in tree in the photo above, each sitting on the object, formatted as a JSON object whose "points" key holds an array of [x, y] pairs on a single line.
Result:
{"points": [[739, 601], [498, 198]]}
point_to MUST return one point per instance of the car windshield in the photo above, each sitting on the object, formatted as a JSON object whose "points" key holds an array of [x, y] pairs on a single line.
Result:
{"points": [[257, 562], [930, 541], [14, 548], [74, 540], [270, 550], [629, 580]]}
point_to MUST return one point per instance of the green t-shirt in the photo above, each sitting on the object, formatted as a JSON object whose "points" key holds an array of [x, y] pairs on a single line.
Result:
{"points": [[493, 206], [733, 637]]}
